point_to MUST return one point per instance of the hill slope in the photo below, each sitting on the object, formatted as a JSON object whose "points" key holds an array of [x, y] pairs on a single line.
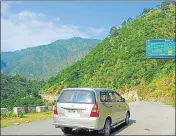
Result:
{"points": [[119, 62], [45, 61], [18, 91]]}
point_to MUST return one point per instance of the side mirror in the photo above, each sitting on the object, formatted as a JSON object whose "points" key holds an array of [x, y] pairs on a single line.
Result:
{"points": [[123, 99]]}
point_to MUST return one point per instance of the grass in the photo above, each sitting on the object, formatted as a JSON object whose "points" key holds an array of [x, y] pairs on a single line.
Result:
{"points": [[128, 100], [172, 104], [5, 122]]}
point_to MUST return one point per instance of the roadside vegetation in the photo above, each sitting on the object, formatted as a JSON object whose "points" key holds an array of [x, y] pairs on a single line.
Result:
{"points": [[128, 100], [11, 119], [18, 91], [172, 104]]}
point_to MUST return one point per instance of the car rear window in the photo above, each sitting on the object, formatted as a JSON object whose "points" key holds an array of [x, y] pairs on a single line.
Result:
{"points": [[74, 96]]}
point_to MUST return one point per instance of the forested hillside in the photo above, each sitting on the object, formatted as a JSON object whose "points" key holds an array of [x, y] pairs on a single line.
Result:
{"points": [[45, 61], [18, 91], [119, 62]]}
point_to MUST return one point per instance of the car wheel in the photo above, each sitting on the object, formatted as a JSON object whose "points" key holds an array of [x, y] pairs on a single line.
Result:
{"points": [[67, 130], [107, 128], [127, 118]]}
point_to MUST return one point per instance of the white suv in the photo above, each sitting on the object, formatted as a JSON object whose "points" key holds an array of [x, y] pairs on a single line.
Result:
{"points": [[90, 108]]}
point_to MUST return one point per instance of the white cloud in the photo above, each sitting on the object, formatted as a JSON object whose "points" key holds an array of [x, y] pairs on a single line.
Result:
{"points": [[28, 29]]}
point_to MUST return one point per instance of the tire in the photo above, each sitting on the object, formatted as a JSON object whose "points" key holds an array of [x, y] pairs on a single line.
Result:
{"points": [[107, 128], [67, 130], [127, 118]]}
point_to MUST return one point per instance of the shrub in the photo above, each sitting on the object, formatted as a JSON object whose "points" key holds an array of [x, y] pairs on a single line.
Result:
{"points": [[21, 115], [8, 114]]}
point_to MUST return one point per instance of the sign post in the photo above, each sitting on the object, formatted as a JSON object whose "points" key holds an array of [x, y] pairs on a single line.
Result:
{"points": [[160, 49]]}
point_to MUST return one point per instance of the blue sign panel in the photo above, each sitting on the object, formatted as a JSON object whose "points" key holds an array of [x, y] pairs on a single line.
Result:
{"points": [[160, 49]]}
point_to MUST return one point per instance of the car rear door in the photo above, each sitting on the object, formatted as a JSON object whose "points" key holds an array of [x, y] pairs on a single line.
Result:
{"points": [[76, 103]]}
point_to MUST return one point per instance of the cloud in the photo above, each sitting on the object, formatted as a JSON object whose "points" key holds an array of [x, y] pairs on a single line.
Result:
{"points": [[28, 29], [27, 15]]}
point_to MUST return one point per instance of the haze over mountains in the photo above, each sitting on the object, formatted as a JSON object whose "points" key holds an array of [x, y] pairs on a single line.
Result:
{"points": [[45, 61]]}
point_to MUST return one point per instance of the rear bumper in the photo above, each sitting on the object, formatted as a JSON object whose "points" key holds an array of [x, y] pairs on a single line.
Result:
{"points": [[86, 123]]}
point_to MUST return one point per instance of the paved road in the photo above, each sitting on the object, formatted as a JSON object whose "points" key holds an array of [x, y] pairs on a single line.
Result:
{"points": [[146, 119]]}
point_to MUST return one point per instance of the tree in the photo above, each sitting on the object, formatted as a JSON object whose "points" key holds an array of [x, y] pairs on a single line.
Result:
{"points": [[129, 19], [158, 6], [146, 10], [165, 5], [173, 2], [18, 91], [124, 23], [113, 31]]}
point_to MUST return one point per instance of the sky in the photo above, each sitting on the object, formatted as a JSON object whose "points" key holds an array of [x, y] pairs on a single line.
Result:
{"points": [[28, 24]]}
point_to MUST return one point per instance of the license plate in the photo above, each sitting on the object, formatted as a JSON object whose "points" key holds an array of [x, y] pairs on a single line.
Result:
{"points": [[74, 111]]}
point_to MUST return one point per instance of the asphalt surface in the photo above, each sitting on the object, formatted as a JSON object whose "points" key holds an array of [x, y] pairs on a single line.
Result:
{"points": [[147, 118]]}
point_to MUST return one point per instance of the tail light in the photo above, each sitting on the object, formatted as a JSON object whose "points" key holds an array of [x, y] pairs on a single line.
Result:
{"points": [[95, 110], [55, 109]]}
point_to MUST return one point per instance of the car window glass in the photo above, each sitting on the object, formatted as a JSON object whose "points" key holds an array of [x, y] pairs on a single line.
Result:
{"points": [[103, 97], [78, 96], [113, 97], [107, 97], [110, 97], [117, 97]]}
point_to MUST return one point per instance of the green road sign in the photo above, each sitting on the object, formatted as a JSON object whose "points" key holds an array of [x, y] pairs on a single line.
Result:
{"points": [[160, 49]]}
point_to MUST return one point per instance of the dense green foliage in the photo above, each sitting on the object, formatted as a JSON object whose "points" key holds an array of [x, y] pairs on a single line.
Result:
{"points": [[119, 62], [17, 91], [45, 61]]}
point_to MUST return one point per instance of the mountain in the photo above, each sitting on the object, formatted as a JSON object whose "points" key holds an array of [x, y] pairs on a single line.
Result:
{"points": [[19, 91], [45, 61], [119, 61]]}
